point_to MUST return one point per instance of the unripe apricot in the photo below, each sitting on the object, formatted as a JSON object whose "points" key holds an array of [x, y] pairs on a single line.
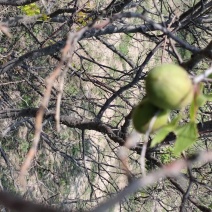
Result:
{"points": [[143, 114], [169, 87]]}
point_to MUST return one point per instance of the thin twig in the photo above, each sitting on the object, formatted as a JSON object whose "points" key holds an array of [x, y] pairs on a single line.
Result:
{"points": [[186, 194], [144, 148], [70, 45], [179, 58], [171, 170], [202, 76], [15, 82]]}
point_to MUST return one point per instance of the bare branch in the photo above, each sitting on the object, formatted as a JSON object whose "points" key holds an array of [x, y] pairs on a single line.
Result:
{"points": [[16, 2], [203, 127], [18, 204], [171, 170], [116, 6]]}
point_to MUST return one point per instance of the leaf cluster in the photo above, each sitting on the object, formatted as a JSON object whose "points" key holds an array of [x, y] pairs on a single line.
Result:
{"points": [[186, 134], [30, 9]]}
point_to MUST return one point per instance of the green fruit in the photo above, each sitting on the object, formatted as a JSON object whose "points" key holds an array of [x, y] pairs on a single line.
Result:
{"points": [[143, 114], [169, 87]]}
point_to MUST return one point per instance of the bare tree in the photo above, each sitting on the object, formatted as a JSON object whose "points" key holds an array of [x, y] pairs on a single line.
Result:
{"points": [[71, 73]]}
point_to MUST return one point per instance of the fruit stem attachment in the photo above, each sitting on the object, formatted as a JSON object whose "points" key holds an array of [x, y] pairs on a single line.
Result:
{"points": [[144, 148]]}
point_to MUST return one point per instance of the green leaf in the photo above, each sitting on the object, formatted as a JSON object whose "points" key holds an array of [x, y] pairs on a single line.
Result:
{"points": [[27, 7], [37, 11], [186, 136], [30, 9], [30, 13], [201, 100], [45, 17], [161, 135], [208, 97], [164, 131], [192, 111], [210, 76]]}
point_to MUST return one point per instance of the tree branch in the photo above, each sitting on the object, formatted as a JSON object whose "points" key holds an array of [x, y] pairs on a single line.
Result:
{"points": [[196, 58], [32, 55], [18, 204], [198, 205], [16, 2], [170, 170], [116, 6], [203, 128]]}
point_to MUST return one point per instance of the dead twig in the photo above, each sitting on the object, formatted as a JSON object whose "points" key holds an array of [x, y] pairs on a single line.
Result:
{"points": [[69, 47], [171, 170]]}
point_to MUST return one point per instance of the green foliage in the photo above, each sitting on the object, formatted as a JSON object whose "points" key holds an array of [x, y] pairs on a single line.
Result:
{"points": [[6, 183], [60, 175], [27, 101], [30, 9], [167, 155], [82, 19], [23, 146], [208, 96], [75, 151], [163, 132], [124, 44], [44, 17], [199, 101], [186, 136]]}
